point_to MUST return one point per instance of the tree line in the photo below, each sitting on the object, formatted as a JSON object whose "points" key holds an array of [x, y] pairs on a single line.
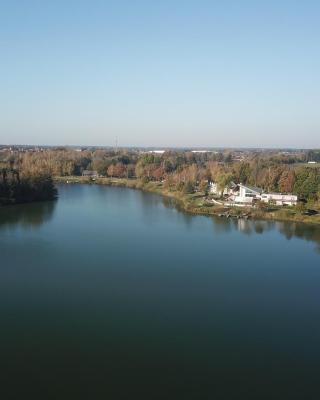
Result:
{"points": [[180, 170]]}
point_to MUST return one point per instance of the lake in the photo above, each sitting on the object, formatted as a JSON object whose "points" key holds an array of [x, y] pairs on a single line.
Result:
{"points": [[112, 293]]}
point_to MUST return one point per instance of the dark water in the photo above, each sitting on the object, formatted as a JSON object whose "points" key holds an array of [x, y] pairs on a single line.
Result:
{"points": [[111, 293]]}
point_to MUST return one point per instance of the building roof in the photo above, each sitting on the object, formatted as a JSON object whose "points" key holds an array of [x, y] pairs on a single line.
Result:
{"points": [[282, 195], [252, 188], [232, 185], [89, 173]]}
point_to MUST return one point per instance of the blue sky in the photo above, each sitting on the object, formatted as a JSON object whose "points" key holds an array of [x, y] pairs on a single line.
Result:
{"points": [[160, 73]]}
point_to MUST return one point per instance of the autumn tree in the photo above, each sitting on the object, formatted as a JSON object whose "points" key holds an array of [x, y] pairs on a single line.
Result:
{"points": [[286, 181], [223, 181], [118, 170]]}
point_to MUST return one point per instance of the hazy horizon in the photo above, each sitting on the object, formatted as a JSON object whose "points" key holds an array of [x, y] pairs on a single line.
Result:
{"points": [[170, 74], [198, 148]]}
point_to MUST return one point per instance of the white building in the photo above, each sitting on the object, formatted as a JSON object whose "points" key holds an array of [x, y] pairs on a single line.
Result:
{"points": [[229, 190], [203, 151], [156, 151], [248, 194], [280, 199]]}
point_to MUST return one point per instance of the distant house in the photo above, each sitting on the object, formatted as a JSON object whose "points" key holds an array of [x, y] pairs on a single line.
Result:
{"points": [[312, 162], [213, 188], [231, 189], [90, 174], [245, 195], [204, 151], [156, 151], [280, 199], [249, 194]]}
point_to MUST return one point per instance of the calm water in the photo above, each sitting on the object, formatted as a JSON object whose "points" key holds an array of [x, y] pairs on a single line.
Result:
{"points": [[111, 293]]}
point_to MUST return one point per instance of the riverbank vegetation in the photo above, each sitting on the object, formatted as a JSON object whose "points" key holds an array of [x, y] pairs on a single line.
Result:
{"points": [[199, 202], [184, 175]]}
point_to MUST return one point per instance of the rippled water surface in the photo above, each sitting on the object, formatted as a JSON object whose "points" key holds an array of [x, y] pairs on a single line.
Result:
{"points": [[113, 293]]}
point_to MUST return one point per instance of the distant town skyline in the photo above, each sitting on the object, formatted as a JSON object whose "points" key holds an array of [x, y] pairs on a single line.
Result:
{"points": [[237, 74], [153, 149]]}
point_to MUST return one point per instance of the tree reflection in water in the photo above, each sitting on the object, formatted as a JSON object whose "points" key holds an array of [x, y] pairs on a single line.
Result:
{"points": [[308, 232], [26, 216], [290, 230]]}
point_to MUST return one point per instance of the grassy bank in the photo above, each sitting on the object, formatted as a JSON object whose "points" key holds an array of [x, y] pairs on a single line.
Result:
{"points": [[197, 203]]}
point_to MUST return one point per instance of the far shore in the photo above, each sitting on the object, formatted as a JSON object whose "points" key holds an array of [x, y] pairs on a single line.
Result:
{"points": [[197, 203]]}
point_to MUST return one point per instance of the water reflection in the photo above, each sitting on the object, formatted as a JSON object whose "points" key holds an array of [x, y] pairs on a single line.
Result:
{"points": [[306, 232], [222, 225], [26, 215], [175, 204], [290, 230], [171, 203]]}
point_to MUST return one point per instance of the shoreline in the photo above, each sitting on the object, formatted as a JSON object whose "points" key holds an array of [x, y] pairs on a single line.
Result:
{"points": [[195, 203]]}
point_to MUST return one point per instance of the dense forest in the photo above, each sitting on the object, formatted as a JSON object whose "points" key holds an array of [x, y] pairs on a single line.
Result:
{"points": [[186, 171]]}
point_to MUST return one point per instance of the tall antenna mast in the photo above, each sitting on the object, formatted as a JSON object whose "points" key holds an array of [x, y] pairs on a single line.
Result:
{"points": [[116, 144]]}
